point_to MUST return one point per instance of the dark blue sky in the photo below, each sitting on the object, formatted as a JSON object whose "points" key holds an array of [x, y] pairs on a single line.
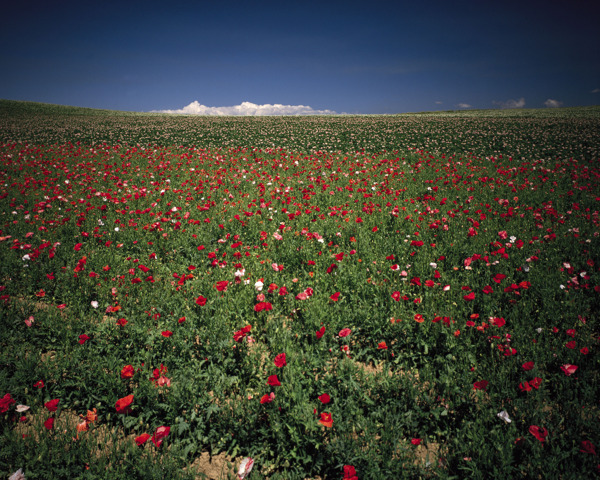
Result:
{"points": [[353, 57]]}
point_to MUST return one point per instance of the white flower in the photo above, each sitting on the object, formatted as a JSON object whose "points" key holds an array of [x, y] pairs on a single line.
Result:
{"points": [[539, 330], [18, 475], [116, 229], [94, 303], [240, 273], [26, 257], [433, 265], [245, 468], [259, 286], [22, 408], [504, 416]]}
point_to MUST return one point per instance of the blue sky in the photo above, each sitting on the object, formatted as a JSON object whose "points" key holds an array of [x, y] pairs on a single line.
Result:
{"points": [[346, 57]]}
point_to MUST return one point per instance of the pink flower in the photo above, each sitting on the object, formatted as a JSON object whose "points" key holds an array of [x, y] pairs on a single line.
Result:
{"points": [[569, 369], [159, 435]]}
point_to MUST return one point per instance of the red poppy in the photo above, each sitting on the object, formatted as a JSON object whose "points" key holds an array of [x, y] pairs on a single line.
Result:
{"points": [[267, 398], [569, 369], [49, 424], [319, 333], [123, 405], [83, 338], [396, 296], [6, 402], [39, 384], [127, 371], [52, 405], [159, 435], [469, 297], [416, 441], [326, 420], [538, 432], [273, 381], [121, 322], [487, 290], [335, 297], [528, 365], [349, 473], [201, 300], [280, 360], [141, 439], [324, 398], [480, 385], [166, 333], [382, 346], [222, 286], [588, 447], [344, 332]]}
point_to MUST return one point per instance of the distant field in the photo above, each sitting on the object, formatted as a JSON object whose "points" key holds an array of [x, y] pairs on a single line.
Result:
{"points": [[372, 297]]}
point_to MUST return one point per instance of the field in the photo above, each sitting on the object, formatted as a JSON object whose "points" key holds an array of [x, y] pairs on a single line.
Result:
{"points": [[371, 297]]}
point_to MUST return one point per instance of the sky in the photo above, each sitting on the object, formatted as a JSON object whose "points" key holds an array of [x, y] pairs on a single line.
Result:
{"points": [[307, 57]]}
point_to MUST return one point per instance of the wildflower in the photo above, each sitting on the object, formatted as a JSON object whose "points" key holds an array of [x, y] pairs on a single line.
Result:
{"points": [[123, 405], [127, 371], [245, 468], [538, 432], [52, 405], [83, 338], [267, 398], [324, 398], [349, 473], [18, 475], [273, 381], [326, 420], [588, 447], [280, 360], [141, 439], [344, 332], [503, 415], [49, 424], [382, 346], [569, 369], [319, 333], [6, 402], [159, 435]]}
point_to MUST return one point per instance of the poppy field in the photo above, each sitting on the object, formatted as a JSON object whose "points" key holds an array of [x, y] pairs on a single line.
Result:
{"points": [[344, 297]]}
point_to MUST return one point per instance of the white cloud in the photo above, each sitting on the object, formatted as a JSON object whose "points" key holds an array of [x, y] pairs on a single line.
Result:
{"points": [[248, 109], [596, 90], [463, 105], [552, 103], [520, 103]]}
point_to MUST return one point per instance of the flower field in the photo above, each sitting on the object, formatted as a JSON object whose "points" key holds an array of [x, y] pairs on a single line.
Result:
{"points": [[361, 297]]}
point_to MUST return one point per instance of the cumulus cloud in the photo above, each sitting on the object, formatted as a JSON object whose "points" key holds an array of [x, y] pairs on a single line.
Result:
{"points": [[520, 103], [552, 103], [463, 105], [248, 109]]}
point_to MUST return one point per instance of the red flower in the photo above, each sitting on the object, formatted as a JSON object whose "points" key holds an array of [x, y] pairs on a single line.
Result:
{"points": [[49, 424], [498, 321], [222, 285], [123, 405], [569, 369], [83, 338], [499, 277], [39, 384], [201, 300], [416, 441], [6, 402], [141, 439], [349, 473], [280, 360], [326, 420], [267, 398], [382, 346], [344, 332], [121, 322], [159, 435], [273, 381], [324, 398], [127, 371], [469, 297], [335, 297], [166, 333], [319, 333], [480, 385], [528, 366], [396, 296], [588, 447], [181, 320], [538, 432], [52, 405], [487, 290]]}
